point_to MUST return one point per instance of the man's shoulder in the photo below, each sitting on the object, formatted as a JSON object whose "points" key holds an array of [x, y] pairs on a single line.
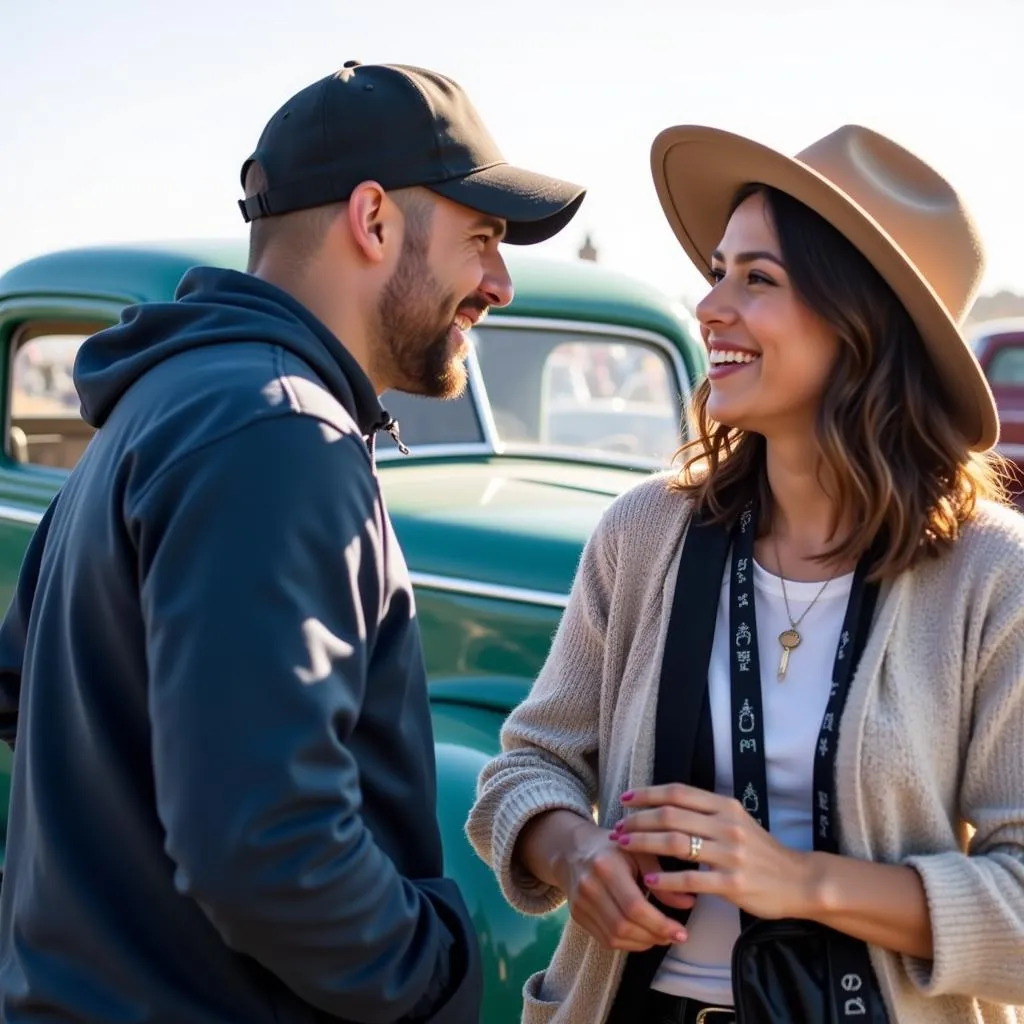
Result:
{"points": [[296, 386], [202, 396], [248, 404], [247, 380]]}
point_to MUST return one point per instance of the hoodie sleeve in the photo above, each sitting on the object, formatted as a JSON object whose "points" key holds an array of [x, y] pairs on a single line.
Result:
{"points": [[260, 574], [14, 631]]}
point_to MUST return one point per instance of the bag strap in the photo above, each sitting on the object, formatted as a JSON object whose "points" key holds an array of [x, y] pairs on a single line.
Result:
{"points": [[682, 722]]}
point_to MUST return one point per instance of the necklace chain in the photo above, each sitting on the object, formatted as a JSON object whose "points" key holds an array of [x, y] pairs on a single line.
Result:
{"points": [[789, 639], [782, 578]]}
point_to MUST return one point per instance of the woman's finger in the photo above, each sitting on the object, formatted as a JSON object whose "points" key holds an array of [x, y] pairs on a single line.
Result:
{"points": [[645, 865], [670, 844], [633, 904], [669, 819], [604, 898], [596, 929], [677, 794], [679, 900], [693, 882], [614, 930]]}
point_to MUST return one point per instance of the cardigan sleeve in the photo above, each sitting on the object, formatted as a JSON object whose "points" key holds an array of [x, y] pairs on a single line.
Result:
{"points": [[976, 899], [550, 741]]}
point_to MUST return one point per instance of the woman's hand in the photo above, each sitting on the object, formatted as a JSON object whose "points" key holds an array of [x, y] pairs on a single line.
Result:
{"points": [[600, 881], [743, 863]]}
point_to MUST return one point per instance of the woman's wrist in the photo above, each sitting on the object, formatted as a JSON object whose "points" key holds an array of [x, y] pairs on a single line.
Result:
{"points": [[547, 842], [811, 885]]}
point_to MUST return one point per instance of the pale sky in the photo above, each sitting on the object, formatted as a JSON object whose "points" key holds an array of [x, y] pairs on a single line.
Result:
{"points": [[126, 120]]}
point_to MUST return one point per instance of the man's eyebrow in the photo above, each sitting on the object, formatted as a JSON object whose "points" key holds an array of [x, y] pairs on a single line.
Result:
{"points": [[750, 257]]}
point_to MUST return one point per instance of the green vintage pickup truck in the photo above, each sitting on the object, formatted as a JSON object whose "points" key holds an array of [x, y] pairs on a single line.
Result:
{"points": [[576, 391]]}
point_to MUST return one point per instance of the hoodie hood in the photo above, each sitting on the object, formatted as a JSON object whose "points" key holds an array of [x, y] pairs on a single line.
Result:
{"points": [[217, 307]]}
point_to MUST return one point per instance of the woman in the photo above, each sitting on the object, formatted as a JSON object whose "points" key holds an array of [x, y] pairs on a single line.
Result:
{"points": [[814, 710]]}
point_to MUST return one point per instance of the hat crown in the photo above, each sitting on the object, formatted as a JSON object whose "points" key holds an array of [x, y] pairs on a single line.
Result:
{"points": [[911, 203]]}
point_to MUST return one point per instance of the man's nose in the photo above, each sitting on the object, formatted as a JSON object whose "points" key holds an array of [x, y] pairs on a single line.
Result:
{"points": [[497, 284]]}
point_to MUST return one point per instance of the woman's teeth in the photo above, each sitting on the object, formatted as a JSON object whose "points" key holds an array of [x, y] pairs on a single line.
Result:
{"points": [[721, 355]]}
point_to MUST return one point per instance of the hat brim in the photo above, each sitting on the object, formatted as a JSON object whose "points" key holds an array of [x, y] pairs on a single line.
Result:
{"points": [[534, 206], [697, 173]]}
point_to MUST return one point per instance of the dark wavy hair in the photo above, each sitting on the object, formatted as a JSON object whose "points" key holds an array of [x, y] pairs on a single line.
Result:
{"points": [[891, 453]]}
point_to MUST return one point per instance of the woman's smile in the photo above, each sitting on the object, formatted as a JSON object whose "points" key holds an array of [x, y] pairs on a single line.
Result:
{"points": [[726, 360]]}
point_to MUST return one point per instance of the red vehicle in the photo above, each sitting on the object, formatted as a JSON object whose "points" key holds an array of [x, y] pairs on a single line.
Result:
{"points": [[999, 346]]}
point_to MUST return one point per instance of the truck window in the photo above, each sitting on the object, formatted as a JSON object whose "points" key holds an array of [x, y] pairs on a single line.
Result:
{"points": [[1007, 366], [44, 427]]}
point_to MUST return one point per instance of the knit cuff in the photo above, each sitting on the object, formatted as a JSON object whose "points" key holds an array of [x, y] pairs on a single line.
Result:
{"points": [[526, 893], [964, 955]]}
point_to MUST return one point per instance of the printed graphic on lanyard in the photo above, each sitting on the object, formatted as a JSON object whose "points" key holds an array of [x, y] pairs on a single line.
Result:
{"points": [[854, 980], [749, 759], [749, 769]]}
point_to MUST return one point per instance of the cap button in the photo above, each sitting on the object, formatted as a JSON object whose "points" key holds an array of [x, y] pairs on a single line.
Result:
{"points": [[352, 64]]}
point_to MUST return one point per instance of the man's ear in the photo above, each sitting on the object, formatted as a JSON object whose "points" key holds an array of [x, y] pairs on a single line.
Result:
{"points": [[372, 221]]}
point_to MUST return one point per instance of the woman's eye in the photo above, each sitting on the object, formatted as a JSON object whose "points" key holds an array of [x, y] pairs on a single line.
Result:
{"points": [[756, 277], [717, 275]]}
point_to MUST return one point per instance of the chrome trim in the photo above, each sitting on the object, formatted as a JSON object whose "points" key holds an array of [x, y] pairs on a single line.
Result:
{"points": [[481, 402], [434, 451], [20, 515], [584, 457], [539, 453], [496, 591], [426, 580]]}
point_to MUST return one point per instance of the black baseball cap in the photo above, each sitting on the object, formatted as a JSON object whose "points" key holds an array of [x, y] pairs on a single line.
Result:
{"points": [[399, 126]]}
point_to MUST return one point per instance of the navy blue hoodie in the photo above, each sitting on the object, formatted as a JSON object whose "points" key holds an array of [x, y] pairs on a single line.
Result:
{"points": [[223, 802]]}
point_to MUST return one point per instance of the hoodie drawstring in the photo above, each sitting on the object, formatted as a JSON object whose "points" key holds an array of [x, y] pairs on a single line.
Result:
{"points": [[390, 424]]}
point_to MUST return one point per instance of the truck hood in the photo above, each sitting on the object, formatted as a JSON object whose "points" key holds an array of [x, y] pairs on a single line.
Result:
{"points": [[506, 521]]}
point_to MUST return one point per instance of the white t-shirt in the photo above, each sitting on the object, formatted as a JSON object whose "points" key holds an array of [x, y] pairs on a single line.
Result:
{"points": [[700, 968]]}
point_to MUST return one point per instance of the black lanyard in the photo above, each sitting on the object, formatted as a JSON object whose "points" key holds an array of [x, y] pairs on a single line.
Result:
{"points": [[749, 767]]}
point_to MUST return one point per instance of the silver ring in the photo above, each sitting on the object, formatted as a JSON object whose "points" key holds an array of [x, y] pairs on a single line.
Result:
{"points": [[695, 845]]}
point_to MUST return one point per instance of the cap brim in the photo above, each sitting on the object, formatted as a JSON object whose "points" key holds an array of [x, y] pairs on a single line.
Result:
{"points": [[534, 206]]}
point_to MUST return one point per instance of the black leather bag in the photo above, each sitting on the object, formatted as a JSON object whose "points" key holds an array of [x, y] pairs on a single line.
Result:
{"points": [[788, 972]]}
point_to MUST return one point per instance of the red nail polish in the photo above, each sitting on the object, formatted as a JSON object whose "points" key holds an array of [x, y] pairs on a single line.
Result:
{"points": [[624, 840], [679, 937], [651, 879], [626, 797]]}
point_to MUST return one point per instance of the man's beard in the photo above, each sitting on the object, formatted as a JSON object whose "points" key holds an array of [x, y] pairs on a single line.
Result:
{"points": [[415, 316]]}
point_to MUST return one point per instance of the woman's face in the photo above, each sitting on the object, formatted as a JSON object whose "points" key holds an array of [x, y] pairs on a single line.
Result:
{"points": [[770, 354]]}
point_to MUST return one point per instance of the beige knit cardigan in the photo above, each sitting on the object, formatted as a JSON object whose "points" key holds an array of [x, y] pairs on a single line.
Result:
{"points": [[931, 746]]}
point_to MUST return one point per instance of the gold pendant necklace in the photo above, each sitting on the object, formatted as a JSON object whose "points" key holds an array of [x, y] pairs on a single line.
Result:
{"points": [[789, 639]]}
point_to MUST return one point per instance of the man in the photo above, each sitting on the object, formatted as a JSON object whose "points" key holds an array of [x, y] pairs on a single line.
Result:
{"points": [[223, 797]]}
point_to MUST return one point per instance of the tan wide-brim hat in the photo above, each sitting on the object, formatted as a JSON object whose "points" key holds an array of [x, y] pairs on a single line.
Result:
{"points": [[903, 217]]}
